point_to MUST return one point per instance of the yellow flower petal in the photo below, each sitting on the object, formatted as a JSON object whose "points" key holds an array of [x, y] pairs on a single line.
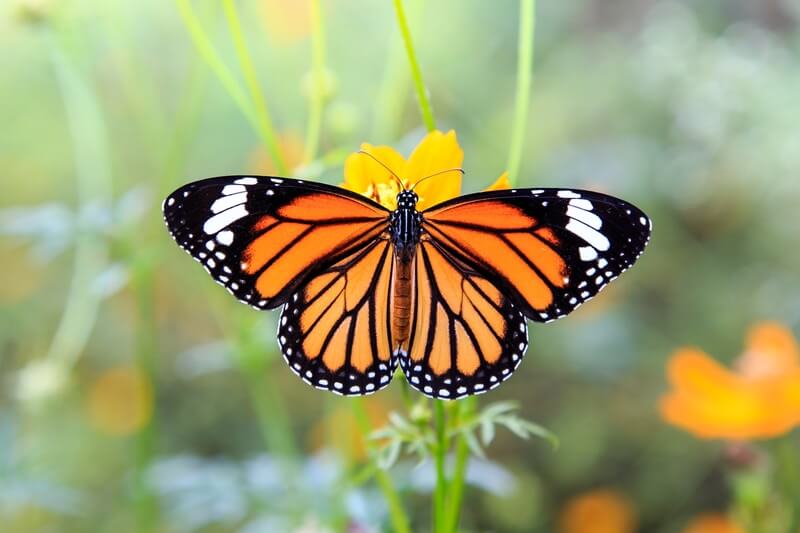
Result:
{"points": [[435, 153], [364, 175], [500, 183]]}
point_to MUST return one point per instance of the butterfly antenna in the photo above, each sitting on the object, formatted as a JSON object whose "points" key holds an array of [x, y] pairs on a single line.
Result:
{"points": [[391, 172], [437, 174]]}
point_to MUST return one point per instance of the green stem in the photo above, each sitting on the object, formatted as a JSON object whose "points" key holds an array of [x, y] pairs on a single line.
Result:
{"points": [[146, 352], [466, 407], [257, 116], [397, 515], [439, 455], [787, 451], [264, 123], [317, 96], [93, 177], [419, 84], [272, 417], [527, 16], [206, 50]]}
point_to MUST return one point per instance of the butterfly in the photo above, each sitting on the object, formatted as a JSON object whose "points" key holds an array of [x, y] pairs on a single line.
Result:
{"points": [[446, 293]]}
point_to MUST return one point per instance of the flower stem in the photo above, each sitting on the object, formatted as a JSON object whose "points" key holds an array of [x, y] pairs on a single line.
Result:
{"points": [[317, 96], [422, 92], [466, 407], [264, 123], [527, 16], [206, 50], [257, 116], [397, 515], [787, 453], [93, 179], [440, 452]]}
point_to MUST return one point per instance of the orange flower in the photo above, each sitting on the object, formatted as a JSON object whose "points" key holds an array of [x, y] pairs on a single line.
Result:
{"points": [[712, 523], [760, 398], [291, 147], [436, 153], [598, 511], [287, 21]]}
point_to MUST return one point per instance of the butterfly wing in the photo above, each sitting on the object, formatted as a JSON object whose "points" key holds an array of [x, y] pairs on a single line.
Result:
{"points": [[549, 250], [263, 237], [466, 335], [335, 331]]}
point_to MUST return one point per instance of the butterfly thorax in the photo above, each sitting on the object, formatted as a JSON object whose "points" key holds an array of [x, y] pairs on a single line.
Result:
{"points": [[406, 226]]}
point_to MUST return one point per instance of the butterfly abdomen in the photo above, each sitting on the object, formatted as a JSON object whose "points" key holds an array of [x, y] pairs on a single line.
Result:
{"points": [[401, 303]]}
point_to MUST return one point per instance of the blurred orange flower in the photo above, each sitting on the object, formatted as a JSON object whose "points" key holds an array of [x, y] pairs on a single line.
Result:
{"points": [[120, 401], [712, 523], [436, 152], [598, 511], [760, 398], [291, 147], [287, 21]]}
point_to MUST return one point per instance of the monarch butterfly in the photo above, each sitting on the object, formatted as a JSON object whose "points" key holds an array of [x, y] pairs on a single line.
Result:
{"points": [[445, 293]]}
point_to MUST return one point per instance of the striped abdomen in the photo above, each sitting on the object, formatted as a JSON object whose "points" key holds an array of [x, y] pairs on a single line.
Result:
{"points": [[401, 302]]}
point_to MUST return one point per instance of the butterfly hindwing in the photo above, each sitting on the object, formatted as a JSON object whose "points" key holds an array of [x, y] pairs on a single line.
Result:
{"points": [[262, 237], [550, 250], [335, 332], [466, 335]]}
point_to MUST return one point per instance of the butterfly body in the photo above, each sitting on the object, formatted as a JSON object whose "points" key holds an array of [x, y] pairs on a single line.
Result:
{"points": [[444, 293], [406, 226]]}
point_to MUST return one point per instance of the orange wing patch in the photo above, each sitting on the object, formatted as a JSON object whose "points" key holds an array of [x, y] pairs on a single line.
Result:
{"points": [[505, 241], [466, 337], [328, 208], [335, 331], [496, 215]]}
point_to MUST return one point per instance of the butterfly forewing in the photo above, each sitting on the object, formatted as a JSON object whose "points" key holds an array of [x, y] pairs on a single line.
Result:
{"points": [[262, 237], [549, 250], [335, 332]]}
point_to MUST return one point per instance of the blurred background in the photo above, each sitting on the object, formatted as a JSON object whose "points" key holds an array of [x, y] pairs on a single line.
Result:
{"points": [[138, 396]]}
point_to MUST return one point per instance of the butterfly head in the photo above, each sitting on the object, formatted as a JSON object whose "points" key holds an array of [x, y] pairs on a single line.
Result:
{"points": [[407, 200]]}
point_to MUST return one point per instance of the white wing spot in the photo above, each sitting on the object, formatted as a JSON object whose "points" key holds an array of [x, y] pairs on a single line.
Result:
{"points": [[568, 194], [224, 219], [582, 204], [587, 253], [276, 180], [246, 181], [588, 234], [226, 202], [587, 217], [233, 189], [225, 237]]}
